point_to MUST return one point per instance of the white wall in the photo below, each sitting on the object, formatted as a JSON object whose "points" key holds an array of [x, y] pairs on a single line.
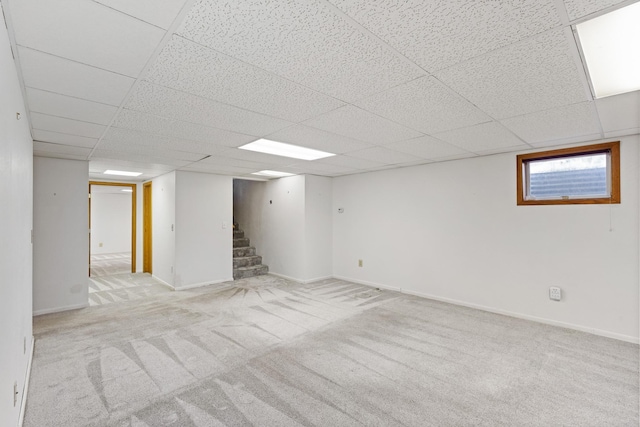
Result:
{"points": [[453, 231], [16, 196], [163, 199], [61, 234], [203, 235], [318, 227], [110, 223]]}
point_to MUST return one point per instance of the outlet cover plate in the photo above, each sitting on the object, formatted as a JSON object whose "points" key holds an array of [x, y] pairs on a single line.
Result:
{"points": [[555, 293]]}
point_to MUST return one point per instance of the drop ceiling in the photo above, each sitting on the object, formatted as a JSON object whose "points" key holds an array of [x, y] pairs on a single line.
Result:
{"points": [[162, 85]]}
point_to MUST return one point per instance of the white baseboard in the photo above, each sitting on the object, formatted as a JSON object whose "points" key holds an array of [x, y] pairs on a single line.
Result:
{"points": [[303, 281], [59, 309], [25, 389], [594, 331], [199, 285]]}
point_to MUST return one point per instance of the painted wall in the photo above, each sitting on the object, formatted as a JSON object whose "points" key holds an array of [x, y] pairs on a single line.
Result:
{"points": [[16, 196], [203, 235], [318, 227], [61, 234], [452, 231], [163, 200], [110, 223]]}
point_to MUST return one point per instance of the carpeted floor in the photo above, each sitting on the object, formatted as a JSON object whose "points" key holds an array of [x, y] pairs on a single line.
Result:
{"points": [[268, 352], [110, 264], [123, 287]]}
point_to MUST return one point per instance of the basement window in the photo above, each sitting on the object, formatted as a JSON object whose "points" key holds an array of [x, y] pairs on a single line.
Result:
{"points": [[580, 175]]}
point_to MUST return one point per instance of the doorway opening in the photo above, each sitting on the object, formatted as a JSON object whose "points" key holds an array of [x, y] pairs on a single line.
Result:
{"points": [[112, 228]]}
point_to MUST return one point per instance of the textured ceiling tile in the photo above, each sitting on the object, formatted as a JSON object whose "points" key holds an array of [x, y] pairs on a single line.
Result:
{"points": [[71, 108], [148, 123], [356, 123], [317, 139], [135, 137], [439, 33], [304, 41], [427, 147], [62, 125], [87, 32], [580, 8], [349, 162], [63, 138], [223, 160], [53, 74], [218, 170], [619, 112], [157, 12], [105, 155], [384, 155], [165, 102], [426, 105], [61, 149], [253, 156], [555, 124], [189, 67], [319, 168], [482, 138], [537, 74], [126, 147], [59, 155]]}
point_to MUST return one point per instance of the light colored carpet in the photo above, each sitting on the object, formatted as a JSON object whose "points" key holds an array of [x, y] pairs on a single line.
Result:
{"points": [[110, 264], [123, 287], [268, 352]]}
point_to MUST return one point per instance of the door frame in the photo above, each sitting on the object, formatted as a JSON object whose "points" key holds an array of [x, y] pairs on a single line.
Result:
{"points": [[147, 228], [133, 217]]}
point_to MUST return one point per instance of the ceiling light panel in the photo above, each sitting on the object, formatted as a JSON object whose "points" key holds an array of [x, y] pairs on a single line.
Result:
{"points": [[272, 174], [190, 67], [533, 75], [86, 32], [318, 49], [426, 105], [559, 123], [356, 123], [610, 45], [54, 74], [176, 105], [318, 139], [580, 8], [427, 147], [482, 138], [160, 13], [148, 123], [69, 107], [63, 138], [285, 150], [61, 125], [121, 173], [438, 34]]}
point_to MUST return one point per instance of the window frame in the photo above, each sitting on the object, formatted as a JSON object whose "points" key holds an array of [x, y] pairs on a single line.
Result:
{"points": [[611, 148]]}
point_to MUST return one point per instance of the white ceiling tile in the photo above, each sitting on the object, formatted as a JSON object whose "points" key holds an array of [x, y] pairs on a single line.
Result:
{"points": [[62, 125], [126, 147], [348, 162], [97, 164], [47, 147], [54, 74], [304, 41], [148, 123], [317, 139], [86, 32], [534, 75], [557, 123], [356, 123], [161, 13], [619, 112], [217, 170], [321, 168], [55, 155], [580, 8], [439, 33], [190, 67], [427, 147], [424, 104], [253, 156], [170, 103], [71, 108], [222, 160], [104, 155], [141, 138], [384, 155], [571, 140], [481, 138], [63, 138]]}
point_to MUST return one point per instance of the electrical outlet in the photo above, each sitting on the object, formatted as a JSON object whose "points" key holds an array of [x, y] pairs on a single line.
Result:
{"points": [[100, 244], [359, 263], [555, 293]]}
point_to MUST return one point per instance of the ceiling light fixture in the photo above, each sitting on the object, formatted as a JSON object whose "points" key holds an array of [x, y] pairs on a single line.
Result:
{"points": [[122, 173], [127, 190], [272, 174], [286, 150], [610, 48]]}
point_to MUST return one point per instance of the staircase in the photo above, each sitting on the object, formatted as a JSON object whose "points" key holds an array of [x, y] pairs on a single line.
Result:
{"points": [[245, 261]]}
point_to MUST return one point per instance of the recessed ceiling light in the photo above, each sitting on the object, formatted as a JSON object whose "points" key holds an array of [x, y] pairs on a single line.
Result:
{"points": [[285, 150], [122, 173], [610, 46], [272, 174], [127, 190]]}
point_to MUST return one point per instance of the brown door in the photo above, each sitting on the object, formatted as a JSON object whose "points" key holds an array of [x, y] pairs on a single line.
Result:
{"points": [[147, 228]]}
